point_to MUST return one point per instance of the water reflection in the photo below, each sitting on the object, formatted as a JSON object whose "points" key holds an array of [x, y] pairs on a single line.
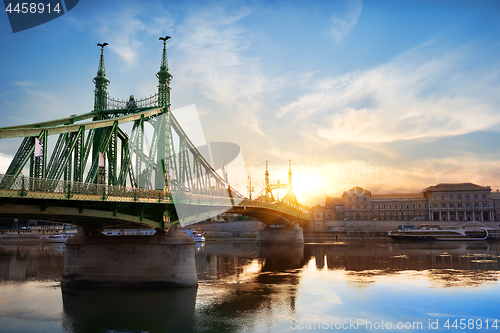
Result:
{"points": [[447, 264], [248, 287], [241, 280], [27, 262], [96, 310]]}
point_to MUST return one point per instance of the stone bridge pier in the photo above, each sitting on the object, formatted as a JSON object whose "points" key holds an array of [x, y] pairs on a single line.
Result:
{"points": [[281, 234], [160, 260]]}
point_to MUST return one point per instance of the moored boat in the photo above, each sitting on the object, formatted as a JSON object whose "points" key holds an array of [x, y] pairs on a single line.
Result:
{"points": [[433, 232], [58, 238], [198, 237], [493, 233]]}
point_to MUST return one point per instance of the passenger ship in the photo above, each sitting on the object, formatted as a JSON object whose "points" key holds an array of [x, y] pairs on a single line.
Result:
{"points": [[433, 232]]}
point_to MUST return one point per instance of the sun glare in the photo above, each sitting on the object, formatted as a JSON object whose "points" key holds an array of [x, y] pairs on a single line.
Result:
{"points": [[309, 187]]}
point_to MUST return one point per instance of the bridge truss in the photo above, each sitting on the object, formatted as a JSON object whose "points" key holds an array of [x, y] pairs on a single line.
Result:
{"points": [[95, 162]]}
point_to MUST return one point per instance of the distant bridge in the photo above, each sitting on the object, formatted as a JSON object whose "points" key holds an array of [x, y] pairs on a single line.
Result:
{"points": [[99, 176]]}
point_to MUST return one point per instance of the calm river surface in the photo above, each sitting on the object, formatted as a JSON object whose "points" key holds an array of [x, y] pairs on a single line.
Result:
{"points": [[354, 286]]}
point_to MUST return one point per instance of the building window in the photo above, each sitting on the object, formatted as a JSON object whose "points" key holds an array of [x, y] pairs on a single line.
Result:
{"points": [[459, 205], [442, 197], [476, 196], [413, 206], [450, 196], [365, 199], [485, 204], [485, 196], [434, 197], [357, 198], [443, 205], [419, 206], [384, 206], [467, 196], [452, 205], [407, 206], [459, 196], [476, 204]]}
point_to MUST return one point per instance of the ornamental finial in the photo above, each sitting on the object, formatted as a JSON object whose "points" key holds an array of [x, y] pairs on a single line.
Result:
{"points": [[164, 64], [102, 45], [164, 39]]}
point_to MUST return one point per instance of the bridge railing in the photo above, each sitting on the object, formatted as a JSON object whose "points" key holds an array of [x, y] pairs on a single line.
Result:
{"points": [[24, 184], [293, 210], [70, 188], [113, 103]]}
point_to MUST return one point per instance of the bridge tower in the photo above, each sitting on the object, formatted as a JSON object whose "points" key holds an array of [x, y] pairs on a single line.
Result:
{"points": [[100, 104], [101, 84], [164, 157], [290, 172], [267, 195]]}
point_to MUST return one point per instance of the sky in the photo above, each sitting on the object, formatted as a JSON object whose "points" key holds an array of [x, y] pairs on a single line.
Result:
{"points": [[392, 96]]}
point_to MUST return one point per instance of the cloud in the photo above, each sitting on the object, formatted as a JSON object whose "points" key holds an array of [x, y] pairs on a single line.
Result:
{"points": [[343, 22], [416, 95], [42, 101], [5, 161], [121, 28], [426, 172], [216, 60], [75, 23], [124, 28]]}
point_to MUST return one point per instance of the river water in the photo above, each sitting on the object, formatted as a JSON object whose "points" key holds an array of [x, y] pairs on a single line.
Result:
{"points": [[351, 286]]}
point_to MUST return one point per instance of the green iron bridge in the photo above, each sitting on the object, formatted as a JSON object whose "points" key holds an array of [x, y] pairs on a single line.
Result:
{"points": [[99, 176]]}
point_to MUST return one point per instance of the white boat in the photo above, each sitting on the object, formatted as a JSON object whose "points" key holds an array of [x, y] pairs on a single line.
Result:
{"points": [[493, 233], [58, 238], [198, 237], [433, 232]]}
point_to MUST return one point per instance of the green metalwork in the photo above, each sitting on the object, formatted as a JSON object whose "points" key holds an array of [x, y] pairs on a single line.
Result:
{"points": [[106, 137], [165, 139], [79, 157], [112, 157], [101, 84], [139, 148], [164, 78]]}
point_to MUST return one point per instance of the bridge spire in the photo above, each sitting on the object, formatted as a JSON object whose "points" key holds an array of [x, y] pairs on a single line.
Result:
{"points": [[101, 84], [290, 172], [267, 176], [164, 78]]}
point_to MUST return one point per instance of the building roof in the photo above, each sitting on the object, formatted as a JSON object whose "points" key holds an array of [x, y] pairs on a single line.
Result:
{"points": [[456, 187], [495, 194], [334, 201], [398, 196], [357, 191]]}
